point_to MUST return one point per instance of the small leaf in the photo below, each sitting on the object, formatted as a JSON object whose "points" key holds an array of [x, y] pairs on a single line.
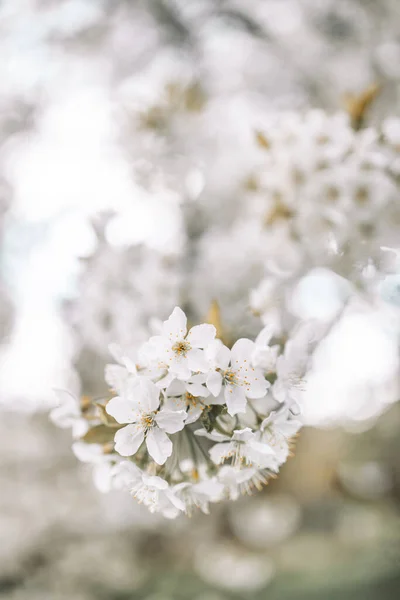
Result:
{"points": [[101, 434], [107, 419], [214, 318], [262, 141], [251, 183], [358, 105], [195, 98], [86, 403], [280, 212]]}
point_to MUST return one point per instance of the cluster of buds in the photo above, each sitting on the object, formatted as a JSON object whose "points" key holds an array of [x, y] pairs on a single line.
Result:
{"points": [[191, 421]]}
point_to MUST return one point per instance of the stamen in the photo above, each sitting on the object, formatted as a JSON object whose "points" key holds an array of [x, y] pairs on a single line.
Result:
{"points": [[181, 348]]}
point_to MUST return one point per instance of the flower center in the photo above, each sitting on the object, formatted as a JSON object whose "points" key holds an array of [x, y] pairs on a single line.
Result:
{"points": [[181, 348], [147, 421], [190, 399], [230, 377]]}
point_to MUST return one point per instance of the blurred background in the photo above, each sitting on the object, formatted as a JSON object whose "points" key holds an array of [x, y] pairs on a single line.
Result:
{"points": [[126, 132]]}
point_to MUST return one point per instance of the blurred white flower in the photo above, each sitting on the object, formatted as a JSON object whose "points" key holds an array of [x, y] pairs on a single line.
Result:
{"points": [[139, 407]]}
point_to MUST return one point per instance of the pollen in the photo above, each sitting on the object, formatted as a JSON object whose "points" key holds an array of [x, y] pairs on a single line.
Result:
{"points": [[181, 348], [190, 399], [230, 377], [147, 421]]}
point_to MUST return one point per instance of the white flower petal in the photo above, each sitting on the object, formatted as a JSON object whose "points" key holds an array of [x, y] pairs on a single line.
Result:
{"points": [[223, 357], [125, 474], [261, 448], [241, 350], [197, 389], [201, 335], [102, 477], [235, 399], [214, 435], [89, 453], [221, 452], [159, 445], [197, 360], [176, 388], [257, 384], [265, 335], [116, 376], [148, 395], [128, 440], [242, 435], [175, 501], [214, 383], [122, 410], [171, 421], [179, 368], [68, 410], [193, 414], [174, 327], [153, 481]]}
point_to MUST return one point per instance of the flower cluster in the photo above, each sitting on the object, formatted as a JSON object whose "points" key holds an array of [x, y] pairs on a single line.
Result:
{"points": [[327, 192], [191, 421]]}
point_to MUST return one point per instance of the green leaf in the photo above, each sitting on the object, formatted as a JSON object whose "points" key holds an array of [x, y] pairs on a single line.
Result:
{"points": [[105, 417], [100, 434]]}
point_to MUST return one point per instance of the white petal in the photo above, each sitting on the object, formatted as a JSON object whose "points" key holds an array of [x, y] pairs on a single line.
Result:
{"points": [[221, 452], [151, 350], [116, 377], [128, 440], [218, 400], [90, 453], [179, 368], [159, 445], [102, 477], [68, 410], [176, 388], [265, 335], [153, 481], [201, 335], [214, 435], [193, 414], [116, 352], [164, 382], [175, 326], [148, 395], [175, 500], [197, 360], [175, 403], [171, 420], [242, 435], [197, 389], [261, 448], [125, 475], [290, 428], [214, 383], [258, 385], [223, 357], [241, 350], [122, 410], [122, 358], [235, 399]]}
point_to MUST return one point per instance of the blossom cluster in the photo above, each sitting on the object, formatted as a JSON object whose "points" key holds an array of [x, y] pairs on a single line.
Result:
{"points": [[191, 421], [319, 193]]}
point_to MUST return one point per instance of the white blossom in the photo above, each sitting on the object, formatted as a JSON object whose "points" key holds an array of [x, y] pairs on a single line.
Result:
{"points": [[236, 377], [244, 447], [140, 408], [153, 491], [67, 414], [277, 430], [102, 463], [177, 350]]}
